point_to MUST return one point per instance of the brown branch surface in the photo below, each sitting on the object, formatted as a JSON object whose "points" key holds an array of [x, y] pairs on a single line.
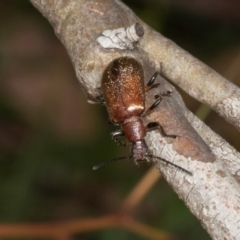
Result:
{"points": [[212, 193]]}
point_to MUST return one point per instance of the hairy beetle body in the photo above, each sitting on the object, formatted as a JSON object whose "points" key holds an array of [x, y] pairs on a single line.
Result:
{"points": [[123, 89], [124, 95]]}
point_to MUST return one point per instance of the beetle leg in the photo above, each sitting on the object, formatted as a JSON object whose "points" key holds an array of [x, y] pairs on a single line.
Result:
{"points": [[150, 85], [100, 99], [109, 121], [156, 125], [153, 106], [158, 98], [116, 135], [167, 93]]}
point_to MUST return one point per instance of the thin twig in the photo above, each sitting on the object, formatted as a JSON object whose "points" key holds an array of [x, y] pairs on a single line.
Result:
{"points": [[63, 230], [140, 191]]}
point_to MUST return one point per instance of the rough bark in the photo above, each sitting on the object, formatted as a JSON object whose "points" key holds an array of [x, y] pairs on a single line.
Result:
{"points": [[212, 193]]}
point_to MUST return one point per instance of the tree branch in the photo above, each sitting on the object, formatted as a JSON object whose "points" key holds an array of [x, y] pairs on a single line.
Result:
{"points": [[212, 193], [193, 76]]}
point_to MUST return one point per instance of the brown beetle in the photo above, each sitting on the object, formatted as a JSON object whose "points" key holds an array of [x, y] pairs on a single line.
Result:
{"points": [[124, 95]]}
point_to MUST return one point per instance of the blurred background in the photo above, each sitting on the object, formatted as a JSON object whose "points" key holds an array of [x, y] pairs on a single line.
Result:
{"points": [[50, 137]]}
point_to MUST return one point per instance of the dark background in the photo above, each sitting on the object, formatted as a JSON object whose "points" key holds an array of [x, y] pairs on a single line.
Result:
{"points": [[50, 137]]}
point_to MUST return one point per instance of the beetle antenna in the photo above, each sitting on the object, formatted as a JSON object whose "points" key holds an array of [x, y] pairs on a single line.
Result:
{"points": [[110, 161], [170, 163], [148, 155]]}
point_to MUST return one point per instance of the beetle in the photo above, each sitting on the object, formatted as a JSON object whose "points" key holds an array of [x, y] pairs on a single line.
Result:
{"points": [[124, 96]]}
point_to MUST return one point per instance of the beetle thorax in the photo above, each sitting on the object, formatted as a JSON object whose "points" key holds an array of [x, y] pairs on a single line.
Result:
{"points": [[133, 129]]}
